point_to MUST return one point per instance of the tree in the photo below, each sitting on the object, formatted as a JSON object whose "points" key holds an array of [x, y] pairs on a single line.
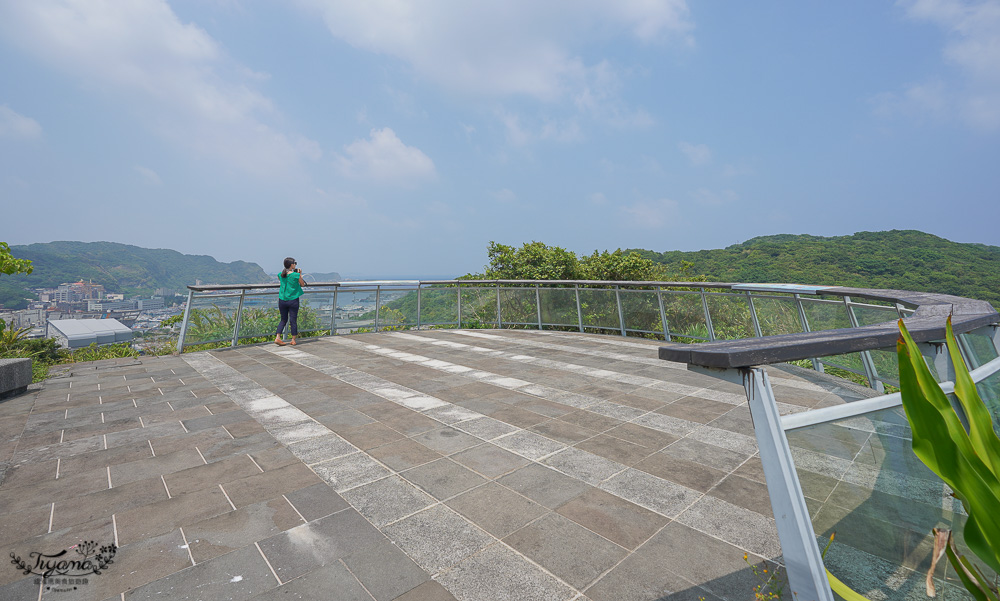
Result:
{"points": [[9, 265]]}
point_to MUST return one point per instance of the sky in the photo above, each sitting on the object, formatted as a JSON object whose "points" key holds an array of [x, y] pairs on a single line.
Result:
{"points": [[399, 138]]}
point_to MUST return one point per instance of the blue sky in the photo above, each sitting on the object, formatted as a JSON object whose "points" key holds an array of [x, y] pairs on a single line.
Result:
{"points": [[386, 137]]}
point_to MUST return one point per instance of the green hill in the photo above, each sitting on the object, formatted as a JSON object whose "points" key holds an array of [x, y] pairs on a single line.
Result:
{"points": [[903, 259], [119, 268]]}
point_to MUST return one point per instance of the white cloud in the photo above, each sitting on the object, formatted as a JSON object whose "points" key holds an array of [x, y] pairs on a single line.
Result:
{"points": [[149, 175], [517, 47], [521, 134], [598, 198], [651, 214], [172, 75], [15, 125], [973, 46], [384, 157], [698, 154]]}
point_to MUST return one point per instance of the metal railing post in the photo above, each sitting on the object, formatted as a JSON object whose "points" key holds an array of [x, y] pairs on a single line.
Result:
{"points": [[538, 305], [663, 314], [579, 311], [817, 364], [753, 316], [333, 313], [866, 357], [418, 305], [460, 306], [239, 318], [378, 289], [621, 316], [803, 561], [708, 316], [184, 322], [499, 320]]}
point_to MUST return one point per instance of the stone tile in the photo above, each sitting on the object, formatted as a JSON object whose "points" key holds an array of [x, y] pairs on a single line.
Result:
{"points": [[273, 458], [656, 494], [161, 517], [123, 473], [387, 500], [428, 591], [696, 409], [489, 460], [711, 455], [321, 448], [745, 493], [530, 445], [615, 449], [686, 473], [210, 475], [590, 420], [500, 574], [106, 502], [673, 559], [443, 478], [236, 529], [404, 454], [316, 501], [733, 524], [618, 520], [370, 436], [485, 428], [267, 485], [344, 420], [563, 431], [237, 575], [519, 417], [566, 549], [319, 543], [583, 465], [318, 584], [140, 563], [447, 440], [385, 571], [345, 473], [496, 509], [544, 485], [438, 538]]}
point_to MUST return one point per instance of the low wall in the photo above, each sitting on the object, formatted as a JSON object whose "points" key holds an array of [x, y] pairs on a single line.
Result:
{"points": [[15, 376]]}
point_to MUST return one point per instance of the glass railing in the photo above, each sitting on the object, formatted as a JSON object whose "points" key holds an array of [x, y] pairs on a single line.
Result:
{"points": [[671, 311]]}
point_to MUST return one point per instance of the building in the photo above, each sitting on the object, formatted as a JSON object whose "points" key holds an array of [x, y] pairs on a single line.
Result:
{"points": [[78, 333], [106, 305], [149, 304]]}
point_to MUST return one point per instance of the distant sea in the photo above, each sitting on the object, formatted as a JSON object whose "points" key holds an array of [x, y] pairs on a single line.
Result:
{"points": [[355, 276]]}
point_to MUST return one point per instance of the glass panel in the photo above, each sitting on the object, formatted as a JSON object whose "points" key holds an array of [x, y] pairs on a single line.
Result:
{"points": [[730, 316], [847, 366], [886, 365], [825, 315], [479, 307], [872, 315], [437, 306], [777, 316], [518, 306], [390, 315], [260, 318], [862, 482], [642, 310], [989, 391], [212, 319], [979, 347], [685, 314], [600, 309], [355, 309], [559, 307]]}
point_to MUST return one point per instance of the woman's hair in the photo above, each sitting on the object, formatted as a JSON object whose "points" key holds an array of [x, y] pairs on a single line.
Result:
{"points": [[288, 263]]}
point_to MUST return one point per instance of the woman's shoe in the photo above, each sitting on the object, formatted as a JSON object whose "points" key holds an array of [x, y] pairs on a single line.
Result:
{"points": [[293, 341], [280, 342]]}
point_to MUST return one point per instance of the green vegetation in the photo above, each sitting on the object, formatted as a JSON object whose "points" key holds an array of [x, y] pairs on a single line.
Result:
{"points": [[9, 265], [897, 259], [212, 327], [120, 268]]}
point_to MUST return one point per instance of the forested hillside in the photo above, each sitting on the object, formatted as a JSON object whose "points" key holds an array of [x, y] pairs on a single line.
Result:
{"points": [[119, 268], [903, 259]]}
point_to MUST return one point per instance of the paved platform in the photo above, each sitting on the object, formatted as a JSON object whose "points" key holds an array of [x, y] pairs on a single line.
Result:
{"points": [[418, 466]]}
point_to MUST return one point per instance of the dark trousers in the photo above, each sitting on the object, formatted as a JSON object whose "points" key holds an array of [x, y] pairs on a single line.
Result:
{"points": [[289, 312]]}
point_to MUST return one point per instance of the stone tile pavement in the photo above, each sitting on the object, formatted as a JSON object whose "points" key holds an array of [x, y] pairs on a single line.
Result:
{"points": [[418, 466]]}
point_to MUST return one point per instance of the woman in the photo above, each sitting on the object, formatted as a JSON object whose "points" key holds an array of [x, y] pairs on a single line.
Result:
{"points": [[288, 299]]}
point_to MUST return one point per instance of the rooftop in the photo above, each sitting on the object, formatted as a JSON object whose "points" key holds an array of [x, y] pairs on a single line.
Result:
{"points": [[427, 465]]}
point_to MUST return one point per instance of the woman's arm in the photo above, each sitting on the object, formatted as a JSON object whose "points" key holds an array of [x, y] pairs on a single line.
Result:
{"points": [[302, 281]]}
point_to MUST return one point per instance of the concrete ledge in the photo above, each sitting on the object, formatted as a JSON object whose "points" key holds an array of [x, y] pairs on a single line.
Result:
{"points": [[15, 376]]}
